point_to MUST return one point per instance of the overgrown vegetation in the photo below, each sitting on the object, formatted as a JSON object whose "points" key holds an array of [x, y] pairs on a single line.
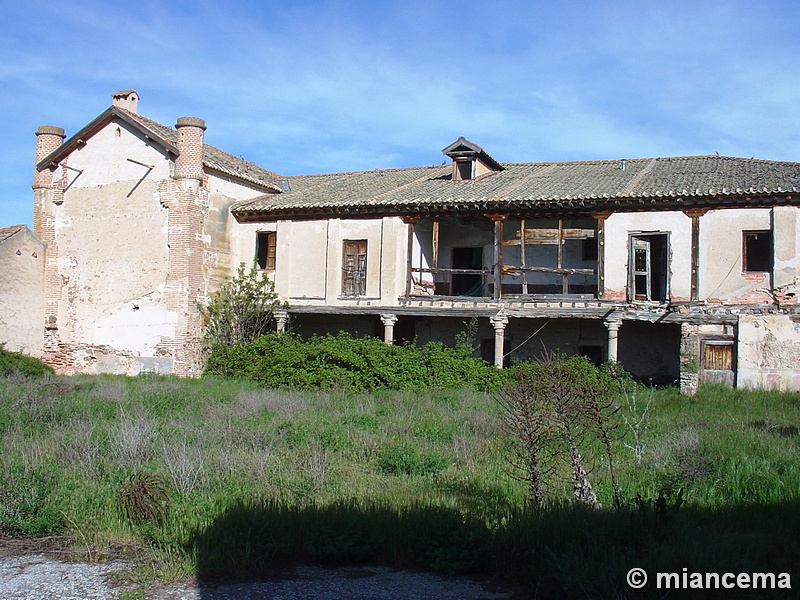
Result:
{"points": [[11, 362], [220, 477], [356, 364]]}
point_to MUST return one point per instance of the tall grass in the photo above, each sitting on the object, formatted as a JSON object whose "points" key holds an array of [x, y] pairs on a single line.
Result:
{"points": [[255, 477]]}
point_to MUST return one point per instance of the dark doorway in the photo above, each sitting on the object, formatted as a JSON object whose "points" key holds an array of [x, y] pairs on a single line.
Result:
{"points": [[467, 284]]}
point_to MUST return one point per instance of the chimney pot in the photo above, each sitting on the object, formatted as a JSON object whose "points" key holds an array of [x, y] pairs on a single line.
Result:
{"points": [[189, 162], [48, 140], [126, 99]]}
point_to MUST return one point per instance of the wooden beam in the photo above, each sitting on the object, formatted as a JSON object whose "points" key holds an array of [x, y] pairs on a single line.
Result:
{"points": [[550, 236]]}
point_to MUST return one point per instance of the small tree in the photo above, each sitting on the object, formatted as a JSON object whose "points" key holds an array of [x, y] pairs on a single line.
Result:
{"points": [[242, 309], [552, 411]]}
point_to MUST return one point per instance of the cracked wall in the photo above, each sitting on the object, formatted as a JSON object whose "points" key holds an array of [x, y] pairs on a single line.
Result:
{"points": [[769, 352]]}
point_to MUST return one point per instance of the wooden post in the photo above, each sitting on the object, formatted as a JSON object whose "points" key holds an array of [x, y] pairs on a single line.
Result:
{"points": [[694, 215], [601, 253], [434, 251], [410, 220], [498, 253]]}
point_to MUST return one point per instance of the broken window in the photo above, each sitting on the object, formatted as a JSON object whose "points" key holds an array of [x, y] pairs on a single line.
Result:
{"points": [[648, 268], [265, 250], [756, 251], [354, 268], [550, 256]]}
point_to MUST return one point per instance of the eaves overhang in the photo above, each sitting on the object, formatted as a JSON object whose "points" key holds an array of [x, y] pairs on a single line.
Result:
{"points": [[542, 207]]}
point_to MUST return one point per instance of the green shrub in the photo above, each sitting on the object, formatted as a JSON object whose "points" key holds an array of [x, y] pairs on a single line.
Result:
{"points": [[242, 308], [26, 506], [11, 362], [409, 460], [359, 364]]}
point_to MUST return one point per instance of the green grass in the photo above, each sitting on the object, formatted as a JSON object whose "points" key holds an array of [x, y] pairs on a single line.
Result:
{"points": [[257, 477]]}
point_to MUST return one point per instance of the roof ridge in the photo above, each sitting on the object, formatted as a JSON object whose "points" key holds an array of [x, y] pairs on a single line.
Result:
{"points": [[342, 173]]}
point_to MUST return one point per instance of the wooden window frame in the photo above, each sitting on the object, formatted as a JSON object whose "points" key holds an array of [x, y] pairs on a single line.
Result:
{"points": [[266, 250], [643, 241], [354, 268], [747, 257]]}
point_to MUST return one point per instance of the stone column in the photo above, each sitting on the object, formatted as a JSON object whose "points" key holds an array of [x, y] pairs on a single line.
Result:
{"points": [[388, 320], [281, 316], [613, 341], [690, 359], [499, 322]]}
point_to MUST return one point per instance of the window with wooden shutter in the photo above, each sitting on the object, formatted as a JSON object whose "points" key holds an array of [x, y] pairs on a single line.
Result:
{"points": [[265, 250], [354, 268]]}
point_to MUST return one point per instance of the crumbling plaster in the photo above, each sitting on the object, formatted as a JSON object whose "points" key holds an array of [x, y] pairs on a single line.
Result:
{"points": [[619, 227], [220, 229], [721, 276], [112, 240], [22, 301], [769, 352]]}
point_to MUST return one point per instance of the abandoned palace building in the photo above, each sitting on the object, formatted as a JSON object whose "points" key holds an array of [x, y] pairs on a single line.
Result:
{"points": [[682, 269]]}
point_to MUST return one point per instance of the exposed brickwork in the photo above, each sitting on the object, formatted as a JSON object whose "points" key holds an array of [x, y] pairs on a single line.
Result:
{"points": [[185, 283], [47, 194], [189, 163]]}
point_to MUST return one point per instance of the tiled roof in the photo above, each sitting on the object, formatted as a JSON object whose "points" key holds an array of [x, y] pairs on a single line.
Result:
{"points": [[214, 158], [7, 232], [647, 183]]}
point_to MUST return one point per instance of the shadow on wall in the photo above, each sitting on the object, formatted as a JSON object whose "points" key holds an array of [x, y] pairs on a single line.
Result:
{"points": [[558, 552]]}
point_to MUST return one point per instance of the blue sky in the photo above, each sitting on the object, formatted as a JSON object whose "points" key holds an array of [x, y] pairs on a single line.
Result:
{"points": [[306, 86]]}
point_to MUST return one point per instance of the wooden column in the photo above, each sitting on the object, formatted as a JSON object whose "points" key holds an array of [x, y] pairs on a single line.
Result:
{"points": [[435, 247], [410, 221], [498, 253], [601, 253], [694, 215]]}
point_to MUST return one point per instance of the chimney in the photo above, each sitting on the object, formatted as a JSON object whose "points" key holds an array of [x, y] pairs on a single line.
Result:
{"points": [[189, 163], [48, 139], [127, 99]]}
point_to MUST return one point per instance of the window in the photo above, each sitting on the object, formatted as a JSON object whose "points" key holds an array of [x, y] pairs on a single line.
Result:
{"points": [[756, 251], [265, 250], [354, 268], [464, 169], [648, 268]]}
